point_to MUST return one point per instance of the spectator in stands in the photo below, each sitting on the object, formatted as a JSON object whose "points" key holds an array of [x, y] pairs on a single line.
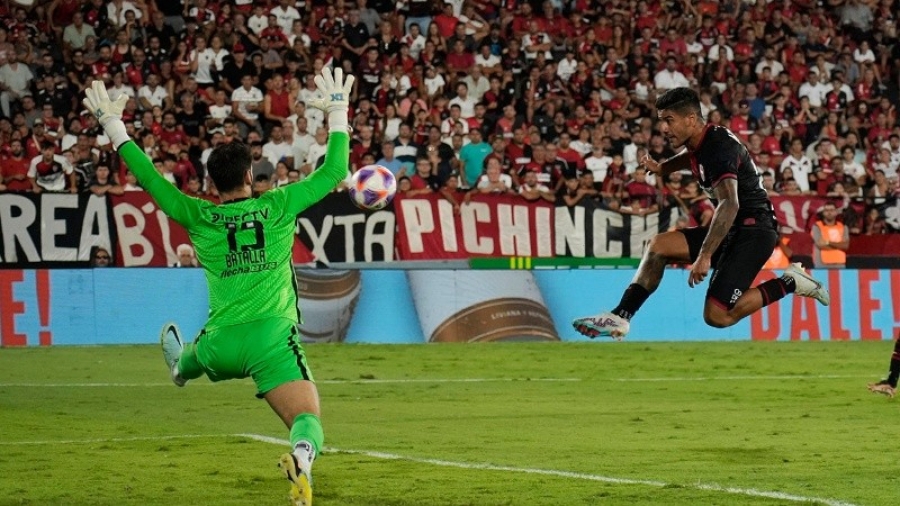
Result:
{"points": [[532, 190], [100, 257], [831, 240], [51, 172], [104, 183], [186, 256]]}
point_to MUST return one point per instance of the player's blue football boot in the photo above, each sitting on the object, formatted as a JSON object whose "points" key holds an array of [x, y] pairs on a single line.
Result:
{"points": [[603, 324], [170, 339], [300, 478]]}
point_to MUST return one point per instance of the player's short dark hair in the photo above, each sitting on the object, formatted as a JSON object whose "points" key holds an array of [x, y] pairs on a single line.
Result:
{"points": [[227, 165], [680, 100]]}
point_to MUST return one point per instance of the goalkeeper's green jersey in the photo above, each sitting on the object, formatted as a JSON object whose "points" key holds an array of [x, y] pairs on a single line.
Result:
{"points": [[245, 245]]}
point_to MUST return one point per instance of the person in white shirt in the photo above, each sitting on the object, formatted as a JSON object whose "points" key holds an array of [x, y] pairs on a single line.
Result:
{"points": [[286, 15], [530, 189], [774, 65], [454, 124], [713, 54], [316, 151], [301, 142], [813, 89], [567, 66], [245, 103], [49, 171], [116, 11], [477, 83], [863, 53], [415, 40], [670, 77], [799, 163], [487, 60], [259, 20], [464, 101], [598, 163], [120, 88], [536, 41], [298, 33], [203, 60], [15, 81], [434, 82], [218, 111], [152, 94], [277, 150]]}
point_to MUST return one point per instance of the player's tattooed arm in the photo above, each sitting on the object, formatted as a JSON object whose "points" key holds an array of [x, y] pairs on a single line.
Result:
{"points": [[679, 162], [726, 193]]}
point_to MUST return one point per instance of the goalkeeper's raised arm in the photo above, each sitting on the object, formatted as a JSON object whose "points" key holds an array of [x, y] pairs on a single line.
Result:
{"points": [[170, 199], [334, 99]]}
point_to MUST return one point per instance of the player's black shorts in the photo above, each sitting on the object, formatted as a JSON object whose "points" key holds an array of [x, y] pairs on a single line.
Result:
{"points": [[739, 258]]}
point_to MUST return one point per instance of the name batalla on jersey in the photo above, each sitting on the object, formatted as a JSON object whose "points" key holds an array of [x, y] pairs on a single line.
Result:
{"points": [[247, 258]]}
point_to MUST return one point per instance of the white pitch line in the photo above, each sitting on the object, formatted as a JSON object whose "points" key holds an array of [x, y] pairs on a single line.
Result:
{"points": [[746, 378], [111, 440], [464, 380], [323, 382], [710, 487]]}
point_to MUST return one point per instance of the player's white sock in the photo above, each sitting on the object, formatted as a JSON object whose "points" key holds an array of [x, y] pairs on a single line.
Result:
{"points": [[304, 453]]}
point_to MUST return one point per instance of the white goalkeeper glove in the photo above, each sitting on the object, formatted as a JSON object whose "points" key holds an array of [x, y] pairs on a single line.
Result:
{"points": [[107, 112], [334, 97]]}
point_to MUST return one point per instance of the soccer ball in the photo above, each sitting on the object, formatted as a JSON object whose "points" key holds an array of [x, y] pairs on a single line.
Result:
{"points": [[372, 187]]}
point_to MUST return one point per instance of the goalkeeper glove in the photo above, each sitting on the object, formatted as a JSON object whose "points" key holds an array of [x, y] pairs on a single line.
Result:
{"points": [[334, 97], [107, 112]]}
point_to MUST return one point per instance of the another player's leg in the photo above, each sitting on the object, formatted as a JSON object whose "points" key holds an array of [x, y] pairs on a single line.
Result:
{"points": [[888, 386], [665, 248]]}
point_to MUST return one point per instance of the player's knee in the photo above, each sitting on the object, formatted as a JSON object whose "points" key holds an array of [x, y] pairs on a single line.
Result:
{"points": [[718, 317]]}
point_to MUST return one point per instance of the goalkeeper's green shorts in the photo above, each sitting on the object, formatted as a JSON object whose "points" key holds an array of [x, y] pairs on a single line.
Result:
{"points": [[268, 350]]}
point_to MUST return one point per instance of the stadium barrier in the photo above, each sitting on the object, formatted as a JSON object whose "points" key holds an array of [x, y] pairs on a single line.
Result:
{"points": [[59, 230], [127, 306]]}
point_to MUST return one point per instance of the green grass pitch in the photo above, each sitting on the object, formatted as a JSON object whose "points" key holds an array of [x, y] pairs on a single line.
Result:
{"points": [[463, 425]]}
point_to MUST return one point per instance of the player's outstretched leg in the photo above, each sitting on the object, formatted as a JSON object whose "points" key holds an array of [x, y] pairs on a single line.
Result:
{"points": [[806, 285], [888, 386], [172, 346], [664, 248]]}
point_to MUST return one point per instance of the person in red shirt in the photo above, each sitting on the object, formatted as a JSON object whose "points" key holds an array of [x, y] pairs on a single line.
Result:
{"points": [[171, 133], [674, 43], [565, 151], [446, 21], [15, 168], [638, 189], [459, 61], [742, 124]]}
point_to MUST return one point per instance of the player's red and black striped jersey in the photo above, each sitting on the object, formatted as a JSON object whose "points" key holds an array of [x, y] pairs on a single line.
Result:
{"points": [[721, 155]]}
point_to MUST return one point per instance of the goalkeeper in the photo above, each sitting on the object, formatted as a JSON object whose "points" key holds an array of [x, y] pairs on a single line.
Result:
{"points": [[244, 245]]}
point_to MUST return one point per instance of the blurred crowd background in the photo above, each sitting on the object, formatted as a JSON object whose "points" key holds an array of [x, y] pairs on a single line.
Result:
{"points": [[550, 100]]}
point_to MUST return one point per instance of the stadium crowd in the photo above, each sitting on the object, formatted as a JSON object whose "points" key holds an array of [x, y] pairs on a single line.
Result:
{"points": [[549, 100]]}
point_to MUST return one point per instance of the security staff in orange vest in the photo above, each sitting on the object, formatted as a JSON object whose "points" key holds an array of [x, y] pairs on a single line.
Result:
{"points": [[781, 256], [831, 239]]}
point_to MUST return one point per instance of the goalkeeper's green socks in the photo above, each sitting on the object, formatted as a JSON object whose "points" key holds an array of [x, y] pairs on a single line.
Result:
{"points": [[307, 437], [188, 365]]}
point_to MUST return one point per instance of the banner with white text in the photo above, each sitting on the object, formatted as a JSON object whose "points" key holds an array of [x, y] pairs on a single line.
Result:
{"points": [[52, 229]]}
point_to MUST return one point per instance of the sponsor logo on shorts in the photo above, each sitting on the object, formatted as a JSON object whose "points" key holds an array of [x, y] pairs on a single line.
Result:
{"points": [[736, 295]]}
